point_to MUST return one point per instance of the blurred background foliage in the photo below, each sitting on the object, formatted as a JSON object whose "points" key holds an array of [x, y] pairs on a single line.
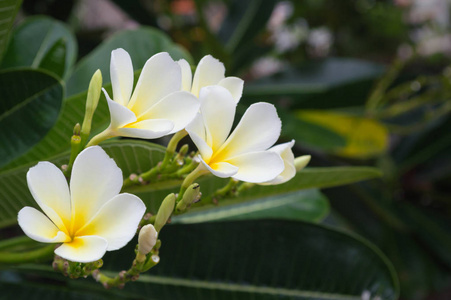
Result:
{"points": [[364, 82]]}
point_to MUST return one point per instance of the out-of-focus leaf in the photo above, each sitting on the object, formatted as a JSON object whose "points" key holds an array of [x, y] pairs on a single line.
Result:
{"points": [[8, 11], [309, 206], [365, 138], [331, 83], [34, 39], [29, 106], [141, 44], [54, 59], [237, 260]]}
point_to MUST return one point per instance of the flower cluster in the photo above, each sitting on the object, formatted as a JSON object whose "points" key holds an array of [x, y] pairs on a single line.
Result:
{"points": [[89, 216]]}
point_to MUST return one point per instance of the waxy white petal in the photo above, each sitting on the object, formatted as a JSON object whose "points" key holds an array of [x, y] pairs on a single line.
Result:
{"points": [[147, 129], [257, 166], [83, 249], [289, 171], [179, 107], [196, 131], [116, 221], [221, 169], [120, 115], [234, 85], [49, 188], [258, 129], [95, 180], [187, 76], [121, 72], [38, 226], [218, 111], [160, 76], [209, 71]]}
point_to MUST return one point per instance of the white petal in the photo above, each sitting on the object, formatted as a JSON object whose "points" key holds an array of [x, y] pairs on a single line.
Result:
{"points": [[83, 249], [38, 226], [116, 221], [234, 85], [218, 112], [95, 180], [196, 131], [257, 166], [121, 72], [147, 129], [209, 71], [258, 129], [49, 188], [179, 107], [289, 171], [187, 76], [160, 76], [120, 115], [221, 169]]}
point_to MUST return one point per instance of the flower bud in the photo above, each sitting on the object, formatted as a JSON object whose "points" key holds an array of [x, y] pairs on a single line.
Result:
{"points": [[301, 162], [147, 239], [165, 211], [191, 195], [92, 99]]}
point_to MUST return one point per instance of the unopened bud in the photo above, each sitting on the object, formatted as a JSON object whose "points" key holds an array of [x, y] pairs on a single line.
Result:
{"points": [[77, 129], [301, 162], [191, 195], [165, 211], [92, 100], [146, 240]]}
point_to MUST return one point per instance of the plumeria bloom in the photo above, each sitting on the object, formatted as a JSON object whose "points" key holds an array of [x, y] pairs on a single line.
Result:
{"points": [[290, 167], [88, 217], [209, 71], [243, 154], [157, 106]]}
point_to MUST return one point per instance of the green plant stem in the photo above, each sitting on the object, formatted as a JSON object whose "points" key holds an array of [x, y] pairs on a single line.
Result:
{"points": [[172, 146], [28, 256], [104, 135]]}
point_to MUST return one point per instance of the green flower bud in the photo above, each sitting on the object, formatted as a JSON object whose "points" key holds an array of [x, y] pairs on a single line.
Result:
{"points": [[165, 211], [191, 195], [301, 162], [92, 99]]}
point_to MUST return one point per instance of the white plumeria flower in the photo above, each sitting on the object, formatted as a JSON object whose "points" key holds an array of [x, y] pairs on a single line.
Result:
{"points": [[243, 154], [209, 71], [291, 165], [90, 217], [157, 106]]}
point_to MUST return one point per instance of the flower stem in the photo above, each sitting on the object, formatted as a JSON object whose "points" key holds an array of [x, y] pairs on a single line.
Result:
{"points": [[172, 146], [104, 135]]}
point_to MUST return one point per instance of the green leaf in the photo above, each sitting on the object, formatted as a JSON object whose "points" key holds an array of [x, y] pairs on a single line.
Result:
{"points": [[353, 129], [140, 43], [30, 103], [8, 11], [309, 205], [54, 60], [331, 83], [237, 260], [34, 39]]}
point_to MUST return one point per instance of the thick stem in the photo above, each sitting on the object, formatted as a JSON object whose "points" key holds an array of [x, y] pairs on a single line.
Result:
{"points": [[199, 171]]}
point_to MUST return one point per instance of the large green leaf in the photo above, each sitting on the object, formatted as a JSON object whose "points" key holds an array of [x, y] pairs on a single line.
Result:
{"points": [[237, 260], [8, 11], [141, 44], [331, 83], [29, 106], [37, 41], [309, 205]]}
